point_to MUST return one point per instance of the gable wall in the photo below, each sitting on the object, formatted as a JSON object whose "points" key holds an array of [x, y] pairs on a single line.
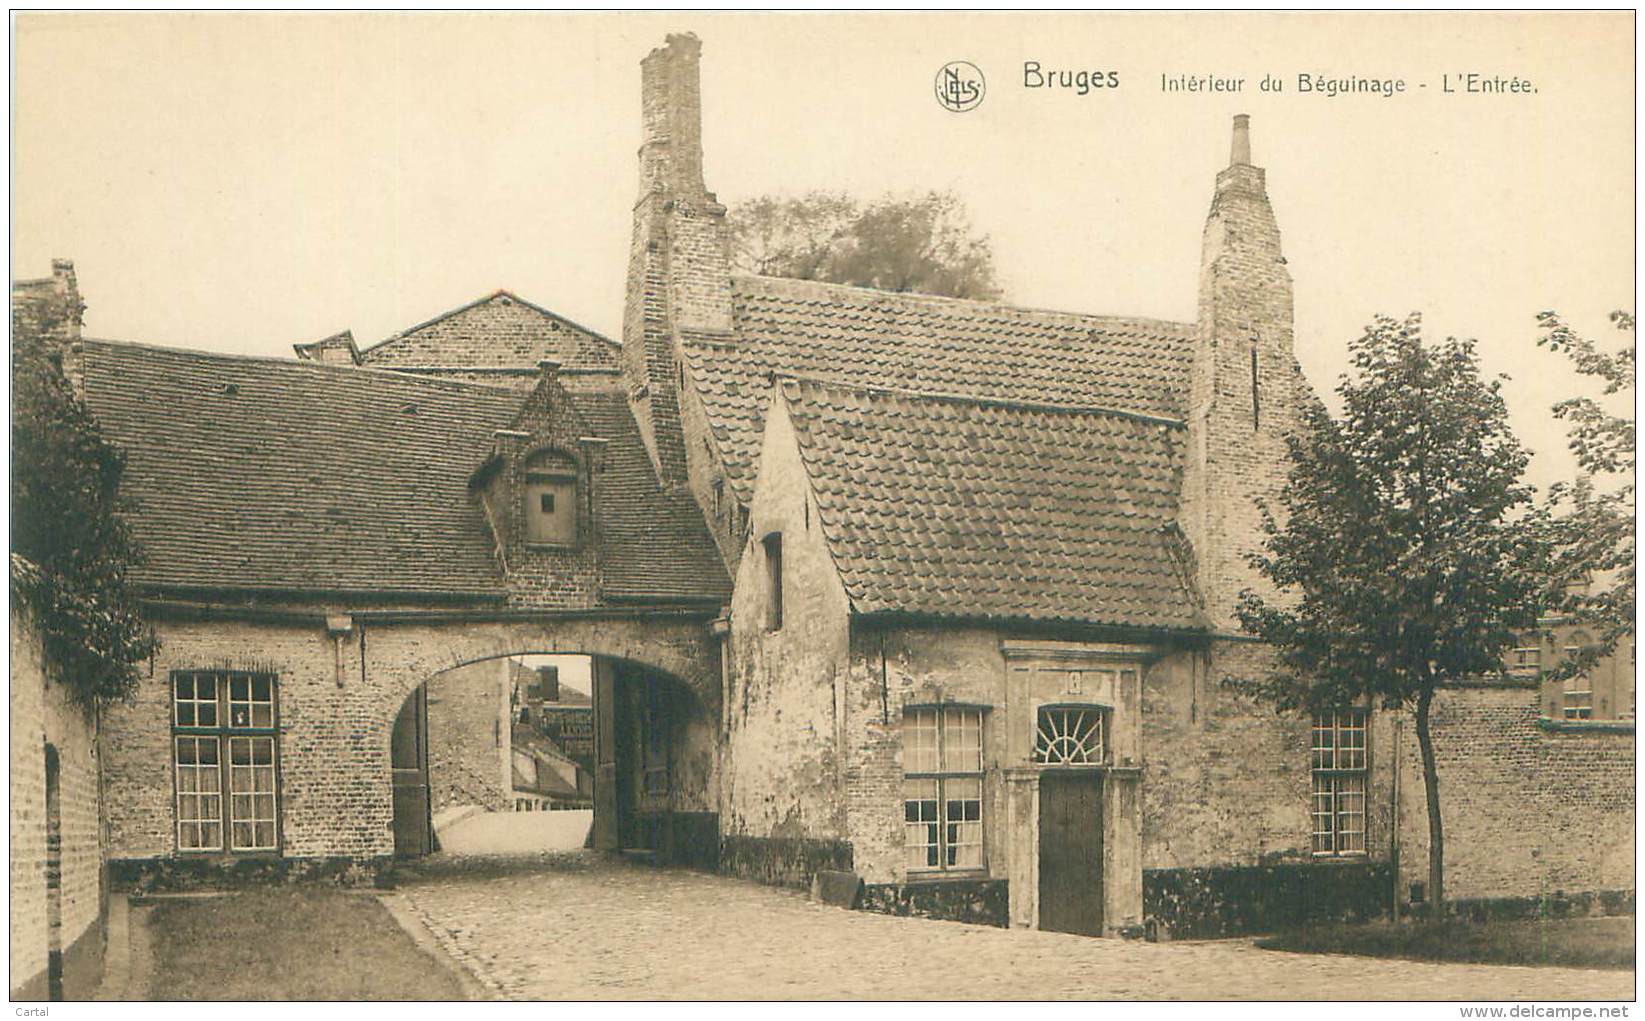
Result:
{"points": [[496, 332], [784, 775]]}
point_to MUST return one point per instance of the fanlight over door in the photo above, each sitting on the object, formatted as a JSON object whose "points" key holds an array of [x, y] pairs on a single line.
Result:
{"points": [[1071, 735]]}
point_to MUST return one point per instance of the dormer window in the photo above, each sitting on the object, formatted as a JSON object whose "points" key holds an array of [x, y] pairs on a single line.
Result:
{"points": [[550, 493]]}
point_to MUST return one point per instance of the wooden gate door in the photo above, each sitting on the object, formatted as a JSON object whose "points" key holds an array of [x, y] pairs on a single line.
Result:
{"points": [[1071, 852], [607, 828], [408, 759]]}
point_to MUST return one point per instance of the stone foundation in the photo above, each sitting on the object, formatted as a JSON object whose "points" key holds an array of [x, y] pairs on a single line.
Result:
{"points": [[171, 875], [783, 861], [978, 901], [1204, 903]]}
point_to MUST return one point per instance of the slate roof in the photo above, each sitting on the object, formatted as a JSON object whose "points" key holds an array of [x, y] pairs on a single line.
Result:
{"points": [[920, 342], [500, 330], [253, 473], [279, 475], [954, 507], [654, 544]]}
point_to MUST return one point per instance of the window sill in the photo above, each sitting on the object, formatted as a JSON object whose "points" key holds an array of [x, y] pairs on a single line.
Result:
{"points": [[229, 856], [950, 876], [1601, 726], [552, 547], [1342, 857]]}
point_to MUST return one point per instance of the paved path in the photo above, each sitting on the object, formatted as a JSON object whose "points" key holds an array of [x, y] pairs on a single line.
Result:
{"points": [[516, 832], [576, 926]]}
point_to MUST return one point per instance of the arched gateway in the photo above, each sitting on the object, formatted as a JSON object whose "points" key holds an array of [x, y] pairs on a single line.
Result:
{"points": [[655, 684]]}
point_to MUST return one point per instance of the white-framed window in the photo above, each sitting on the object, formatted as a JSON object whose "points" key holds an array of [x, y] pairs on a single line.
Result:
{"points": [[942, 788], [1579, 698], [1525, 660], [224, 740], [1071, 735], [1338, 761]]}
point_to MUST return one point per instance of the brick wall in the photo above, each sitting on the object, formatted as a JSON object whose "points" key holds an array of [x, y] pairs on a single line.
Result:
{"points": [[496, 331], [334, 724], [41, 714], [1528, 812], [539, 575], [333, 740], [468, 737]]}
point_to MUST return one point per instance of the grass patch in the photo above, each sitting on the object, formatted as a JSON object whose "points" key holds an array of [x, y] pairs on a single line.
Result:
{"points": [[289, 943], [1563, 942]]}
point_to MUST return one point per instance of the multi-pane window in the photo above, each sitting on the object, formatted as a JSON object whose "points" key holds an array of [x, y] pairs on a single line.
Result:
{"points": [[1579, 699], [225, 747], [1527, 660], [1070, 736], [942, 788], [1579, 691], [1338, 762]]}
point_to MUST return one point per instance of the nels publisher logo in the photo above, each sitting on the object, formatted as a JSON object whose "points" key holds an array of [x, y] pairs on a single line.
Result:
{"points": [[960, 86]]}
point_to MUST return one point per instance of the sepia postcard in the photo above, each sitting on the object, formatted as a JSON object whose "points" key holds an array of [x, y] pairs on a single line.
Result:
{"points": [[802, 506]]}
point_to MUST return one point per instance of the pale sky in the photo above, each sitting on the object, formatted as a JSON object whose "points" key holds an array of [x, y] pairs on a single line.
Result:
{"points": [[576, 672], [243, 182]]}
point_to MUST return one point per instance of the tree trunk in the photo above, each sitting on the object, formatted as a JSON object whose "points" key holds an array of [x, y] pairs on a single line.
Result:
{"points": [[1436, 827]]}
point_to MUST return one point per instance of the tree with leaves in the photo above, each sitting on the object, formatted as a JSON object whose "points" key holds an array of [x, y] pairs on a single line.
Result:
{"points": [[1590, 523], [71, 551], [922, 243], [1398, 560]]}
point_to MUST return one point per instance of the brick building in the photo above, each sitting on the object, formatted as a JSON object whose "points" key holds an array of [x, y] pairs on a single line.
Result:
{"points": [[936, 592], [986, 560], [331, 548]]}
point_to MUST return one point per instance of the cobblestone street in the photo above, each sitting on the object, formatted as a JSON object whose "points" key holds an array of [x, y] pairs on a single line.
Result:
{"points": [[574, 926]]}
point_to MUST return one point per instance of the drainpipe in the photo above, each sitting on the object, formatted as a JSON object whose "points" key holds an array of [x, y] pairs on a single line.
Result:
{"points": [[338, 626], [721, 629]]}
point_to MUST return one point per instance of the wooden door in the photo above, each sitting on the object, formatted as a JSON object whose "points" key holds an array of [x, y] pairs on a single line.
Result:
{"points": [[1071, 852], [408, 760], [607, 834]]}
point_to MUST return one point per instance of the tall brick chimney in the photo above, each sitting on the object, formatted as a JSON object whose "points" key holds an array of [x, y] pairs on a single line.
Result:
{"points": [[679, 266], [1245, 389], [51, 310]]}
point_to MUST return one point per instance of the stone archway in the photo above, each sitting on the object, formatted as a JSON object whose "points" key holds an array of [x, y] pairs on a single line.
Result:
{"points": [[654, 673], [400, 650]]}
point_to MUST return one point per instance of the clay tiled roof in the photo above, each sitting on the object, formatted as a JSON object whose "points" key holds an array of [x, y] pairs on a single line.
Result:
{"points": [[500, 330], [955, 507], [276, 475], [253, 473], [920, 342]]}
